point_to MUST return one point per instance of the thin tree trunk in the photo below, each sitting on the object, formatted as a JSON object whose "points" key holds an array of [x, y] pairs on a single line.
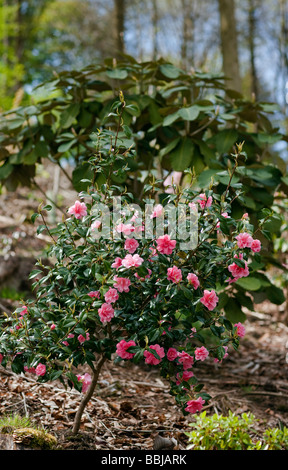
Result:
{"points": [[284, 48], [87, 397], [229, 44], [252, 27], [119, 6], [188, 34], [155, 28]]}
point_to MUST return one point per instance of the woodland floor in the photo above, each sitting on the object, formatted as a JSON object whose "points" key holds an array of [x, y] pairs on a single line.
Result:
{"points": [[132, 404]]}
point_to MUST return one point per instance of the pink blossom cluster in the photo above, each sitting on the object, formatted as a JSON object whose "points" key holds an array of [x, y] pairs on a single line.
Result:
{"points": [[209, 299], [174, 274], [240, 329], [40, 369], [238, 271], [201, 353], [82, 338], [204, 202], [245, 240], [79, 210], [121, 349], [165, 245], [86, 380], [149, 356], [195, 405], [193, 279]]}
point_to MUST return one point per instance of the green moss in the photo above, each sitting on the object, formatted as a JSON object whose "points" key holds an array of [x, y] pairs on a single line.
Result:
{"points": [[35, 438]]}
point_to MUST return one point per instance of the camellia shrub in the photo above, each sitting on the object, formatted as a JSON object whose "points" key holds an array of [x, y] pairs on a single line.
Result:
{"points": [[143, 282]]}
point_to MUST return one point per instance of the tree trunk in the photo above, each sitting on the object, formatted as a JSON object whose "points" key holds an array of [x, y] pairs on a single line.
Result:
{"points": [[155, 28], [284, 49], [119, 6], [188, 35], [252, 27], [229, 44], [87, 397]]}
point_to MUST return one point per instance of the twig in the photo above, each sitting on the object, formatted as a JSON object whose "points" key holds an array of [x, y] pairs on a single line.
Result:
{"points": [[273, 394], [25, 404], [109, 430]]}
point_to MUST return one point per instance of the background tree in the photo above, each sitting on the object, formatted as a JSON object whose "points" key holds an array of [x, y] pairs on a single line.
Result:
{"points": [[229, 43]]}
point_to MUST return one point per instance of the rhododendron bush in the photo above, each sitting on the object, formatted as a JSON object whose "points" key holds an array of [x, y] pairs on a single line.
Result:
{"points": [[126, 285]]}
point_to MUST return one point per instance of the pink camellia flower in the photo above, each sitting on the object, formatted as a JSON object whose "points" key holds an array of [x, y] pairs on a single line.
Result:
{"points": [[121, 349], [237, 271], [23, 311], [201, 353], [193, 279], [82, 339], [30, 370], [127, 229], [65, 343], [96, 225], [40, 369], [209, 299], [245, 216], [195, 405], [94, 294], [79, 210], [132, 261], [70, 335], [150, 358], [86, 380], [240, 329], [111, 295], [53, 326], [172, 354], [184, 377], [256, 246], [174, 274], [122, 284], [106, 312], [158, 210], [244, 240], [203, 201], [185, 359], [131, 245], [117, 263], [165, 245]]}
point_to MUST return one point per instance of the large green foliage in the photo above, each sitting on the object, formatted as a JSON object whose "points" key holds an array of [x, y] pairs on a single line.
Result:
{"points": [[173, 120]]}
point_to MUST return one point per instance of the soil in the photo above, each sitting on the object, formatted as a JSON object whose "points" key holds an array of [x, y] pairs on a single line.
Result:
{"points": [[132, 404]]}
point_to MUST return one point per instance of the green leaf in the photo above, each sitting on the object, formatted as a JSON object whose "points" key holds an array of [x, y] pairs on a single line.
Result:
{"points": [[189, 114], [80, 173], [233, 311], [5, 170], [169, 70], [275, 295], [66, 145], [68, 116], [117, 74], [249, 283], [225, 140], [181, 157]]}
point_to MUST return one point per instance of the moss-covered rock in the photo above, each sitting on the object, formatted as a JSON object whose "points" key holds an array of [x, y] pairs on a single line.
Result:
{"points": [[35, 438]]}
